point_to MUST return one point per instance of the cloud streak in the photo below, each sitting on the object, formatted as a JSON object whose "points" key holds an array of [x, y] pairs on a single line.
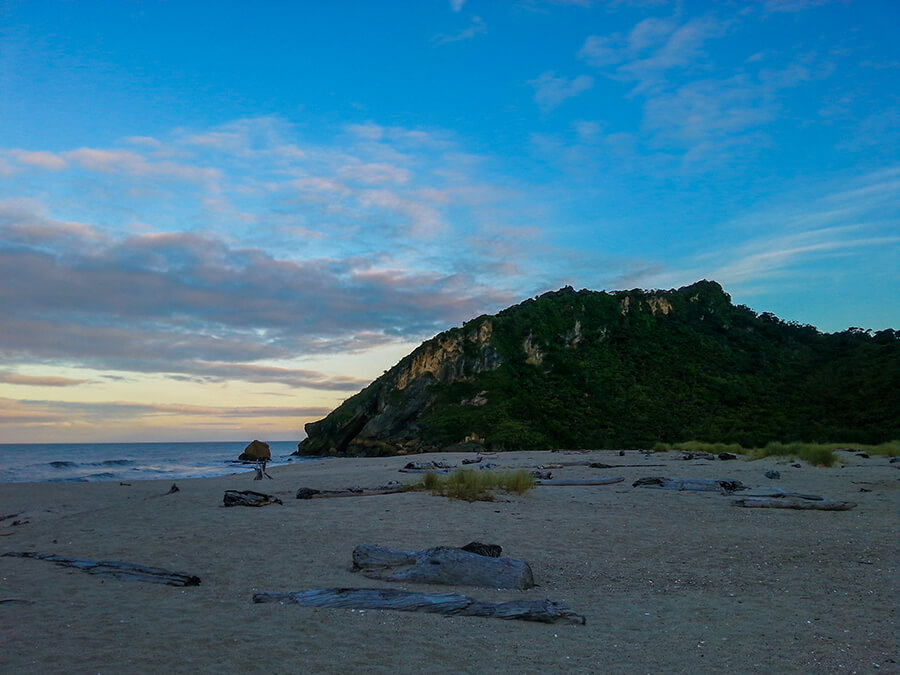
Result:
{"points": [[475, 28], [550, 91]]}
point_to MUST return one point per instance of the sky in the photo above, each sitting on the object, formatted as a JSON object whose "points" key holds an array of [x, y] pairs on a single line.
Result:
{"points": [[219, 219]]}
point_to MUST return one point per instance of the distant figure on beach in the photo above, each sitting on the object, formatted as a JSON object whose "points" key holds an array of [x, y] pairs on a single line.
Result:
{"points": [[261, 470]]}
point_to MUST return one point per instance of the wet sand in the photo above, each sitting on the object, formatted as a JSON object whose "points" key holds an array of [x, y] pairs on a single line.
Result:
{"points": [[673, 582]]}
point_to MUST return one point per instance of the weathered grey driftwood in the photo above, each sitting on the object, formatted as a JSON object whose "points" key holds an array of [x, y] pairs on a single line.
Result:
{"points": [[114, 569], [261, 472], [775, 493], [248, 498], [426, 467], [696, 484], [594, 465], [389, 489], [441, 565], [775, 503], [449, 604], [580, 481]]}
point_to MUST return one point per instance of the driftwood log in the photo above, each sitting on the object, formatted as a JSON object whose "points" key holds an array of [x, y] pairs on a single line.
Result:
{"points": [[781, 494], [426, 467], [449, 604], [441, 565], [781, 503], [261, 472], [580, 481], [248, 498], [489, 550], [114, 569], [696, 484], [594, 465], [389, 489]]}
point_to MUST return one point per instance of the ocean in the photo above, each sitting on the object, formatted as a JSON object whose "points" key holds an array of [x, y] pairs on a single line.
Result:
{"points": [[85, 462]]}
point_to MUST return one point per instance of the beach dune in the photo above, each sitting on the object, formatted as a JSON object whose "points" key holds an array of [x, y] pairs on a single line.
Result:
{"points": [[668, 581]]}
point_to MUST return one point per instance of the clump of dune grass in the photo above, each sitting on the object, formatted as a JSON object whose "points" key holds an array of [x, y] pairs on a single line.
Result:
{"points": [[816, 454], [889, 449], [478, 485], [823, 454], [700, 446]]}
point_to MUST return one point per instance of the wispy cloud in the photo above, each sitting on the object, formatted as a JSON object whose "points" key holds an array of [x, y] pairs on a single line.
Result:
{"points": [[91, 416], [652, 47], [39, 380], [848, 220], [475, 28], [41, 160], [551, 91]]}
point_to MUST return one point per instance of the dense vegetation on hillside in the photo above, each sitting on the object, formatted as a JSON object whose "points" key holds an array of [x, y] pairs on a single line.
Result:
{"points": [[587, 369]]}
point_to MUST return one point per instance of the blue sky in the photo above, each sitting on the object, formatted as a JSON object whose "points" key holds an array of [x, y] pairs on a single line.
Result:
{"points": [[220, 219]]}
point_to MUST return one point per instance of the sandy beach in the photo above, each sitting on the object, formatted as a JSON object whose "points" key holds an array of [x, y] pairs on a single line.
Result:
{"points": [[669, 582]]}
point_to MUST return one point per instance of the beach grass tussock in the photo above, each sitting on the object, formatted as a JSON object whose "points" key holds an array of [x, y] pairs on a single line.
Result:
{"points": [[815, 454], [472, 485]]}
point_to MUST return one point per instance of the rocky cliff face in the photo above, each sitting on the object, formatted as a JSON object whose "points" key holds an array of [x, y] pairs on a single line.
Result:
{"points": [[596, 369], [381, 419]]}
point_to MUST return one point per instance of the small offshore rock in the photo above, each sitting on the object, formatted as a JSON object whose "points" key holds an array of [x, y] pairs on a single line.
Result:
{"points": [[774, 475], [255, 451]]}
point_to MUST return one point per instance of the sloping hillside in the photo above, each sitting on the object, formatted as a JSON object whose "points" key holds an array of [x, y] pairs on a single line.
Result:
{"points": [[594, 369]]}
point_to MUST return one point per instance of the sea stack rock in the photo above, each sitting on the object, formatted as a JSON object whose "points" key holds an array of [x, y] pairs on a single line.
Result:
{"points": [[255, 451]]}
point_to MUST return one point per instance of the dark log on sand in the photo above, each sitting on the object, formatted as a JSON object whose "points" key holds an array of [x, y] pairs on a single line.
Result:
{"points": [[248, 498], [595, 465], [580, 481], [425, 467], [781, 494], [116, 570], [389, 489], [441, 565], [773, 503], [489, 550], [695, 484], [448, 604]]}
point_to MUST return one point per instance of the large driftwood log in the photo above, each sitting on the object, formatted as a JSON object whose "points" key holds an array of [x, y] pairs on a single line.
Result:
{"points": [[389, 489], [776, 503], [580, 481], [248, 498], [114, 569], [449, 604], [696, 484], [775, 493], [441, 565], [426, 467]]}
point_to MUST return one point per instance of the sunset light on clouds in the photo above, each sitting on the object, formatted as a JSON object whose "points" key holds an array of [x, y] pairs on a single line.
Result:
{"points": [[218, 220]]}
